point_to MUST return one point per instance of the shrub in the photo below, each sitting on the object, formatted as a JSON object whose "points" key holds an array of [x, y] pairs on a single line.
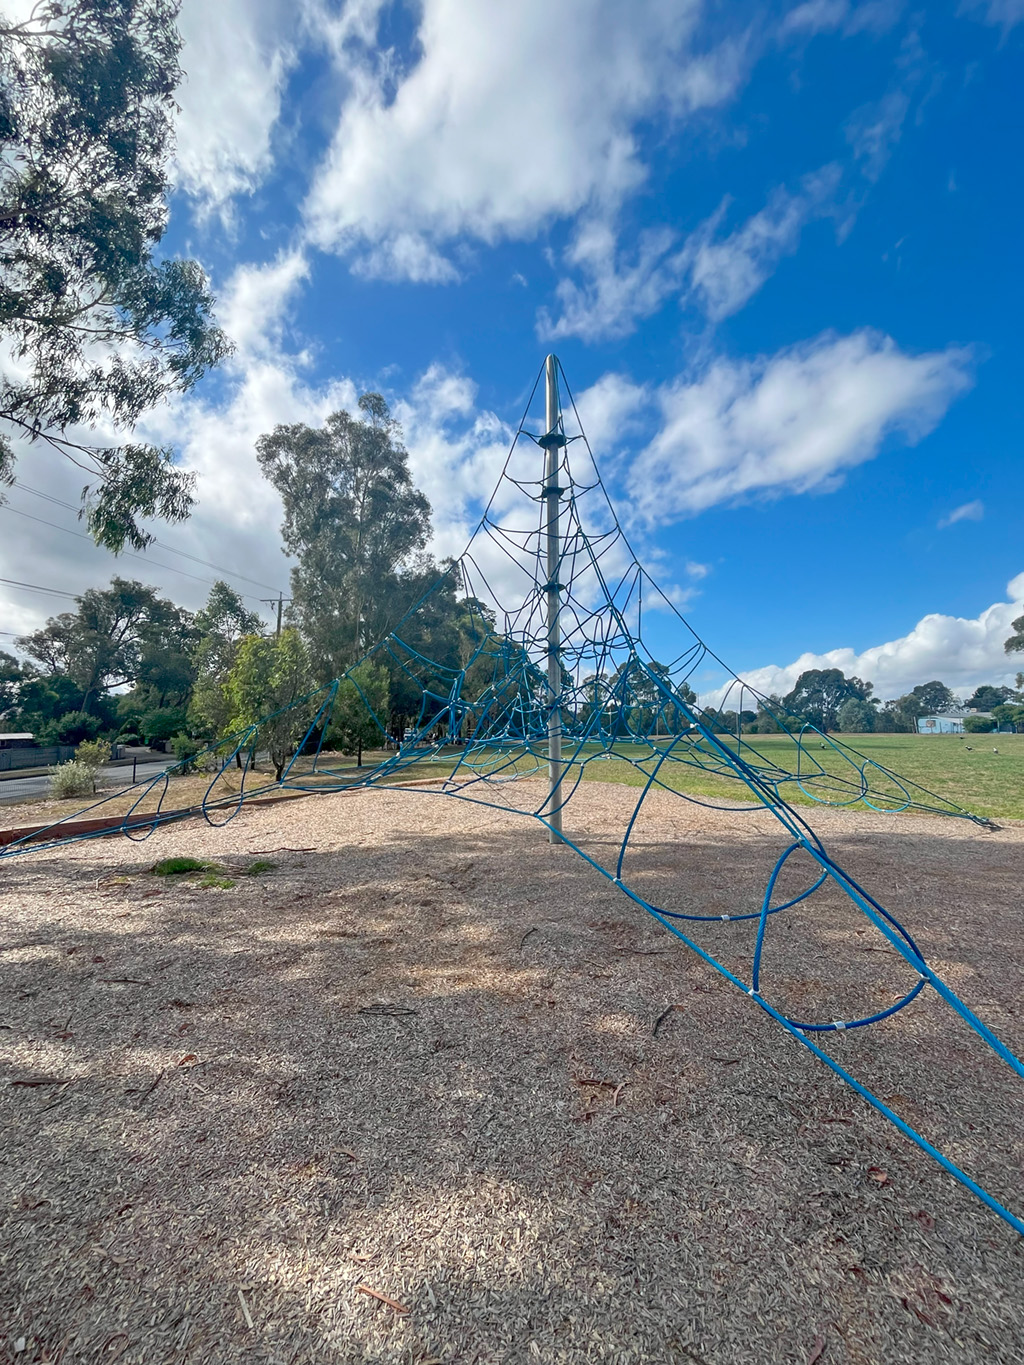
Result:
{"points": [[162, 724], [93, 753], [979, 725], [73, 727], [72, 779], [185, 749]]}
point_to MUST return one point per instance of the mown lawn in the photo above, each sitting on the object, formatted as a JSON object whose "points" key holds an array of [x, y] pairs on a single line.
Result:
{"points": [[982, 773]]}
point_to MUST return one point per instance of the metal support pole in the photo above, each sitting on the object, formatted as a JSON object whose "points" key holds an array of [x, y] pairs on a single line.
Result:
{"points": [[551, 493]]}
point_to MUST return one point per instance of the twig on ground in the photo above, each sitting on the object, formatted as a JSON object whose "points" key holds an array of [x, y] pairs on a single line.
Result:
{"points": [[149, 1089], [390, 1011], [384, 1298], [254, 851], [662, 1017], [522, 941], [245, 1311]]}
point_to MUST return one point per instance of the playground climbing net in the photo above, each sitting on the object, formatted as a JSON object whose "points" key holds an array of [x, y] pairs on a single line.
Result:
{"points": [[549, 674]]}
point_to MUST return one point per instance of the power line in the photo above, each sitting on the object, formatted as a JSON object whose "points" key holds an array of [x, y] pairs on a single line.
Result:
{"points": [[154, 563], [35, 587], [171, 549]]}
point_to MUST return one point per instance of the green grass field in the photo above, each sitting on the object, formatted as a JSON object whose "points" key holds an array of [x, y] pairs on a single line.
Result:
{"points": [[963, 769], [982, 773]]}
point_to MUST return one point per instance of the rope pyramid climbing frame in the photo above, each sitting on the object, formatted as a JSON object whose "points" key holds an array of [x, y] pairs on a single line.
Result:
{"points": [[552, 675]]}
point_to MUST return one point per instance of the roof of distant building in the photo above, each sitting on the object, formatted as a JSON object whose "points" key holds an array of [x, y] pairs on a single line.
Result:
{"points": [[957, 713]]}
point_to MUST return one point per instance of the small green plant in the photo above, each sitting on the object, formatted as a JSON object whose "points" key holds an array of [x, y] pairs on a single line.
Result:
{"points": [[259, 866], [180, 867], [213, 880], [72, 779]]}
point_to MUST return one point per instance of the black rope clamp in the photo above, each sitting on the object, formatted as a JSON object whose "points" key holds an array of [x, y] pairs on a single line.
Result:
{"points": [[550, 440]]}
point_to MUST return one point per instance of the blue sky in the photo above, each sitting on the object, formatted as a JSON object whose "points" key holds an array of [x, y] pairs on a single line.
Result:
{"points": [[777, 249]]}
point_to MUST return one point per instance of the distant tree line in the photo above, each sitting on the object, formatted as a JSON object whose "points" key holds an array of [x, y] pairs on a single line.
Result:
{"points": [[130, 665], [830, 701]]}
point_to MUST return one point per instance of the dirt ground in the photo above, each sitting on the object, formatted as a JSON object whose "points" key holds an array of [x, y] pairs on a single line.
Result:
{"points": [[400, 1097]]}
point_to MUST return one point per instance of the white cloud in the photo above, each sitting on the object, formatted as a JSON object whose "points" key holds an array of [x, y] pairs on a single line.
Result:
{"points": [[611, 410], [824, 16], [510, 116], [405, 257], [237, 55], [1003, 13], [253, 306], [456, 453], [968, 511], [616, 294], [724, 274], [962, 653], [874, 130], [719, 274], [790, 423]]}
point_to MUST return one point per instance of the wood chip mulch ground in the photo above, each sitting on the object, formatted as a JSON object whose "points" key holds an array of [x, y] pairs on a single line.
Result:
{"points": [[400, 1098]]}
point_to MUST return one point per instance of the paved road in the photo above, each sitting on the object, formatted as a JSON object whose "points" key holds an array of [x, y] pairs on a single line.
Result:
{"points": [[35, 788]]}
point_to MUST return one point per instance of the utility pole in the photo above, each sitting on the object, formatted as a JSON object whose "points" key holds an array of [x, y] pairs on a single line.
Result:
{"points": [[270, 602], [553, 441]]}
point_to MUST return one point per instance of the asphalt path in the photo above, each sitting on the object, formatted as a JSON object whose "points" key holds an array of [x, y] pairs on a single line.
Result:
{"points": [[15, 789]]}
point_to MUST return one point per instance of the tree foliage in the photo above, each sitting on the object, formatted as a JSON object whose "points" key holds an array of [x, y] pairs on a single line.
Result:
{"points": [[269, 675], [987, 697], [355, 523], [856, 716], [819, 693], [360, 710], [12, 675], [933, 696], [117, 635], [100, 330], [220, 625], [979, 725], [1015, 644]]}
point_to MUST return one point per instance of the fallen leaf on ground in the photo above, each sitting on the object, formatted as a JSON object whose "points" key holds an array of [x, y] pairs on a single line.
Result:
{"points": [[384, 1298]]}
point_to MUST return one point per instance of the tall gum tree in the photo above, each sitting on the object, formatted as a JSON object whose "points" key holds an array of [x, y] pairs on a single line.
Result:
{"points": [[354, 522], [95, 328]]}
